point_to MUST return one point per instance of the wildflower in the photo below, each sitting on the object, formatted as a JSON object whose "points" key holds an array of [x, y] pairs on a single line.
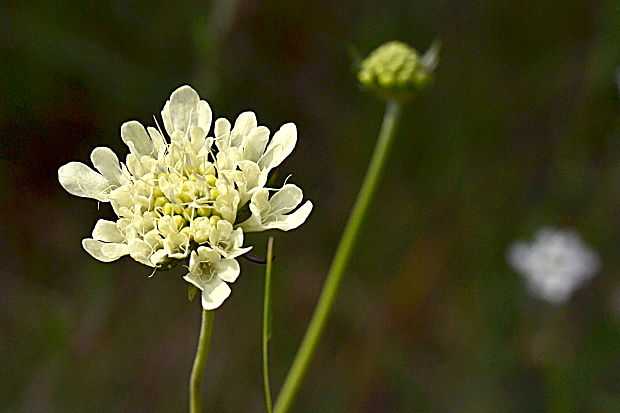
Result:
{"points": [[555, 264], [180, 198], [395, 70]]}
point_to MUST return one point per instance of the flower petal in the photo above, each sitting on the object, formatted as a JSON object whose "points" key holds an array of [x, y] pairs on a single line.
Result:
{"points": [[219, 232], [140, 251], [195, 279], [286, 199], [234, 253], [251, 178], [244, 124], [80, 180], [115, 249], [107, 163], [259, 206], [165, 115], [228, 270], [207, 254], [292, 221], [107, 231], [214, 294], [252, 224], [134, 134], [260, 201], [221, 127], [254, 144], [281, 146], [202, 255], [96, 249], [204, 115], [156, 137], [181, 109]]}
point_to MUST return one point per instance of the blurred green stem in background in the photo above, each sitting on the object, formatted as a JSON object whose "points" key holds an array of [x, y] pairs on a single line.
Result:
{"points": [[209, 35], [267, 325], [557, 363], [343, 253], [204, 343]]}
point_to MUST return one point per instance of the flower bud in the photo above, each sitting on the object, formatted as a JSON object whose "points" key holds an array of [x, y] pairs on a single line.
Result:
{"points": [[160, 201], [168, 210], [395, 71], [179, 221], [210, 180], [200, 228], [186, 197]]}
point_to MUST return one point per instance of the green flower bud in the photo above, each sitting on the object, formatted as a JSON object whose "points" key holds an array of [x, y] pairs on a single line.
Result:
{"points": [[186, 197], [168, 209], [179, 221], [157, 192], [210, 179], [395, 71], [187, 232], [160, 201], [189, 213]]}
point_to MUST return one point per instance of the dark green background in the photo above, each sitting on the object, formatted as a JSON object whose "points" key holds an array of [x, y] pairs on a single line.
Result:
{"points": [[520, 130]]}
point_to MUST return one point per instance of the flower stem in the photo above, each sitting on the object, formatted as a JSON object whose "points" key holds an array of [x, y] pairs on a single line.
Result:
{"points": [[334, 277], [267, 325], [204, 343]]}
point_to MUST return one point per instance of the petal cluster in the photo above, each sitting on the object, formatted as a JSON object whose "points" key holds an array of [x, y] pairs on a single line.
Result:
{"points": [[555, 264], [182, 193]]}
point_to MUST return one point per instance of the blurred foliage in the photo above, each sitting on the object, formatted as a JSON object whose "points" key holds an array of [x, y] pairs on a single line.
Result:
{"points": [[520, 130]]}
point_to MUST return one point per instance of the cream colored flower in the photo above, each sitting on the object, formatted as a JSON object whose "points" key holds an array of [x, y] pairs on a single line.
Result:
{"points": [[180, 198]]}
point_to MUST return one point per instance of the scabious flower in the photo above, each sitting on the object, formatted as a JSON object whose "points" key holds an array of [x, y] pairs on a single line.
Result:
{"points": [[193, 195], [555, 264]]}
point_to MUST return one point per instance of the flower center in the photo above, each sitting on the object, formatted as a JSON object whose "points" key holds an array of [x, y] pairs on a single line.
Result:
{"points": [[187, 194], [188, 197]]}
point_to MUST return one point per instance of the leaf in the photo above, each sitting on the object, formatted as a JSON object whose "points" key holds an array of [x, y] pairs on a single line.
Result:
{"points": [[191, 292]]}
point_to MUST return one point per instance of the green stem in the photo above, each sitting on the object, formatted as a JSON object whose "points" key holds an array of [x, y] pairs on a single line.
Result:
{"points": [[334, 277], [267, 325], [557, 365], [204, 343]]}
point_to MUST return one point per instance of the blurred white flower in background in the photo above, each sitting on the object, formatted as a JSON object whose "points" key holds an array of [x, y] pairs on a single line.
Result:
{"points": [[555, 264]]}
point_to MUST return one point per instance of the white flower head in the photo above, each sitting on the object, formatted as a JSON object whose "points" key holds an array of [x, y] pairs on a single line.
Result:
{"points": [[179, 196], [555, 264]]}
